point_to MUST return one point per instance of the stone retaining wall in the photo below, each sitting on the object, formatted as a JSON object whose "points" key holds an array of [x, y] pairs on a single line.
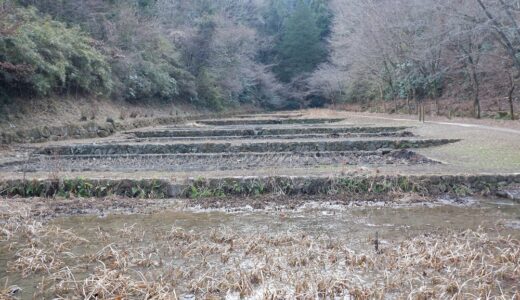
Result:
{"points": [[293, 146], [264, 131], [427, 185], [89, 129], [269, 121], [305, 136], [358, 186], [213, 161]]}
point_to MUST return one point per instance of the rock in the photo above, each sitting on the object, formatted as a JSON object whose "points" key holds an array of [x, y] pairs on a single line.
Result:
{"points": [[386, 151], [509, 194], [34, 134], [45, 132], [103, 133]]}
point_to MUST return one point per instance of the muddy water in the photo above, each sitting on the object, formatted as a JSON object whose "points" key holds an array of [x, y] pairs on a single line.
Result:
{"points": [[356, 225]]}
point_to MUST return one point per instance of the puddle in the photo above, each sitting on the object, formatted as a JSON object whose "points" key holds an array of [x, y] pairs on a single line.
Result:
{"points": [[319, 219]]}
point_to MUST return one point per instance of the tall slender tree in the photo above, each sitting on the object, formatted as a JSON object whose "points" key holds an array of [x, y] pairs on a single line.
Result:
{"points": [[300, 49]]}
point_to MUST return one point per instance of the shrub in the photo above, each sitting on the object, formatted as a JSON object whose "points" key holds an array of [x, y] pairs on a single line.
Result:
{"points": [[147, 80], [148, 67], [45, 56], [209, 93]]}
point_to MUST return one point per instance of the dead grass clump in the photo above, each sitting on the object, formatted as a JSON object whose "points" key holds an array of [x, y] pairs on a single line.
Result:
{"points": [[10, 292], [16, 220], [114, 284], [134, 114], [180, 234], [34, 260], [458, 265]]}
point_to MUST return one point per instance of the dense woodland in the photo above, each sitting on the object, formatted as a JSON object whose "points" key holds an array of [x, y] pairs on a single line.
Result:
{"points": [[270, 53]]}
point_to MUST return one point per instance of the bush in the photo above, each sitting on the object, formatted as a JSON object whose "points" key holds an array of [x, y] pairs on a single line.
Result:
{"points": [[147, 79], [45, 56], [149, 69], [209, 93]]}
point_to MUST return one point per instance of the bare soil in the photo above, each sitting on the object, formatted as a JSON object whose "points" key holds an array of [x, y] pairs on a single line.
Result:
{"points": [[202, 162]]}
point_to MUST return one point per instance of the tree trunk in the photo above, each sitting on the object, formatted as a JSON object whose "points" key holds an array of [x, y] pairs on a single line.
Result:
{"points": [[476, 104], [382, 98], [510, 97], [420, 110], [415, 100], [408, 104], [476, 87]]}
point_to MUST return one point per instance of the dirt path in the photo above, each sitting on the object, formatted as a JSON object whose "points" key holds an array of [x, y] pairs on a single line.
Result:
{"points": [[466, 125]]}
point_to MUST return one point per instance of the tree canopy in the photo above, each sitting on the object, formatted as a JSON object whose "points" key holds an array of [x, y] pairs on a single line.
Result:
{"points": [[224, 53], [300, 49]]}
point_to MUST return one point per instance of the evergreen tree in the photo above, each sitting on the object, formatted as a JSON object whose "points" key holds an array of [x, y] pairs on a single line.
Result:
{"points": [[300, 49]]}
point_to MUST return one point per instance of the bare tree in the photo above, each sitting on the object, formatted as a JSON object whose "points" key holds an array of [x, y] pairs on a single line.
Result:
{"points": [[467, 39], [420, 50], [502, 18]]}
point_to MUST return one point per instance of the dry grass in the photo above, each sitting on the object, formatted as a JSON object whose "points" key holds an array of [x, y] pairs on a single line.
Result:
{"points": [[134, 262], [9, 292], [27, 114]]}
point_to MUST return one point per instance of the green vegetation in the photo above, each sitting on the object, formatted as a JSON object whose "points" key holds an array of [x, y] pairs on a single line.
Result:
{"points": [[300, 49], [356, 186], [359, 186], [44, 56], [79, 187], [202, 188], [211, 54], [272, 53], [205, 53]]}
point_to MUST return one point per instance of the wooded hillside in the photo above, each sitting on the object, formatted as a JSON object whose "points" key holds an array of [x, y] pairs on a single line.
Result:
{"points": [[210, 53], [405, 52], [275, 54]]}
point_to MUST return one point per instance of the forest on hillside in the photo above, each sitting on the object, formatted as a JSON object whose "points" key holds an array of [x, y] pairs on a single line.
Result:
{"points": [[269, 53]]}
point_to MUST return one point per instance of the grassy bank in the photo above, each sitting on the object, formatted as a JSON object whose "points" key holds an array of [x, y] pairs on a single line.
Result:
{"points": [[359, 186]]}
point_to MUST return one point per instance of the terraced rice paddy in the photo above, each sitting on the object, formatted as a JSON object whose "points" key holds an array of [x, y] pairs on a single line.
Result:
{"points": [[343, 210], [238, 147], [215, 161]]}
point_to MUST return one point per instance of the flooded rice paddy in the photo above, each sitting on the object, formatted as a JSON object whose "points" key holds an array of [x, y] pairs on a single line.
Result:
{"points": [[422, 251]]}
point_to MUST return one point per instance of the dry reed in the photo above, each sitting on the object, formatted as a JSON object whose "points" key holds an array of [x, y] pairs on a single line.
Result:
{"points": [[134, 262]]}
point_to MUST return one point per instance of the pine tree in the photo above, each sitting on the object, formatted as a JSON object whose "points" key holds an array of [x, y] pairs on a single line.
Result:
{"points": [[300, 49]]}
